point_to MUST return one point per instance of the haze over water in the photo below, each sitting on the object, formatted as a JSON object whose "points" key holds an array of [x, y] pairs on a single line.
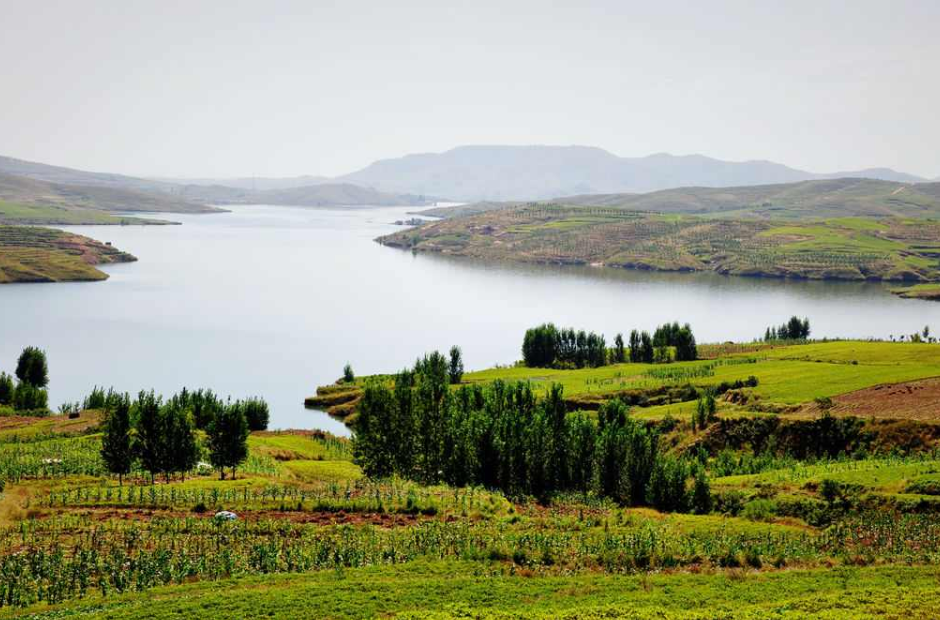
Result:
{"points": [[273, 301]]}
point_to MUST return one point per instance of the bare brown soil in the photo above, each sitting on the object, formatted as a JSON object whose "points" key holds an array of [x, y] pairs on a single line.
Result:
{"points": [[55, 423], [913, 400]]}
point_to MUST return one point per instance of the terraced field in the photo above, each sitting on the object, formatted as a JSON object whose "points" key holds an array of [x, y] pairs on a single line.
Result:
{"points": [[842, 248], [30, 254]]}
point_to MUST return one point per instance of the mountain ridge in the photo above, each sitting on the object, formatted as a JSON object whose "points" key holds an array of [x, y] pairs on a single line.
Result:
{"points": [[539, 172]]}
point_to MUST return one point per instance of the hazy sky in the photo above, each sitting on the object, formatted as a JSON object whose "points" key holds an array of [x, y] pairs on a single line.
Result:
{"points": [[224, 88]]}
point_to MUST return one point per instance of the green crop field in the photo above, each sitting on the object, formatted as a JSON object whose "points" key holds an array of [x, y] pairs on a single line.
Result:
{"points": [[791, 530], [786, 374]]}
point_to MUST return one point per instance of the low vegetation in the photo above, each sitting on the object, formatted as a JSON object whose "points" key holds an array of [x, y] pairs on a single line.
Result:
{"points": [[52, 215], [30, 254], [890, 249], [506, 493]]}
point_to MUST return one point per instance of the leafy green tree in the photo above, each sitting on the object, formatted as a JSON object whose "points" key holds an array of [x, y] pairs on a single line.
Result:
{"points": [[256, 413], [117, 448], [702, 501], [556, 414], [540, 346], [203, 404], [181, 451], [27, 397], [455, 370], [150, 439], [374, 449], [636, 351], [684, 342], [6, 389], [348, 375], [620, 354], [227, 438], [646, 348], [666, 490], [32, 368]]}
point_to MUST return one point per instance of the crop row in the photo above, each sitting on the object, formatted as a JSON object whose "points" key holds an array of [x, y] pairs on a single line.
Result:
{"points": [[54, 566]]}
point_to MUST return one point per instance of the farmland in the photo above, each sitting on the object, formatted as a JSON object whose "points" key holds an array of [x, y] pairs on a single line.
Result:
{"points": [[57, 215], [31, 254], [790, 529], [855, 248]]}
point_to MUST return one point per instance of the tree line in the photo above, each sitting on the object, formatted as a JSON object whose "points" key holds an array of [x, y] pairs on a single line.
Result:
{"points": [[502, 437], [547, 346], [28, 393], [161, 437], [794, 329]]}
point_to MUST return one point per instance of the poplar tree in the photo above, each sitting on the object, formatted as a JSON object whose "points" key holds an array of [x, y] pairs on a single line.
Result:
{"points": [[117, 449], [227, 438]]}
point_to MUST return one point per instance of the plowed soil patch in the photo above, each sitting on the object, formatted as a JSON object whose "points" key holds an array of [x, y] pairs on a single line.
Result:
{"points": [[914, 400]]}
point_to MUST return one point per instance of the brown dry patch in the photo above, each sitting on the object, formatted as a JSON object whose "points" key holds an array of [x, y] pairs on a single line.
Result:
{"points": [[52, 424], [12, 500], [913, 400]]}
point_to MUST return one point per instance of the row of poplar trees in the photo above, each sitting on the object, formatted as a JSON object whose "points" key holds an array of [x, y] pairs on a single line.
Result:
{"points": [[547, 346], [502, 437], [161, 437]]}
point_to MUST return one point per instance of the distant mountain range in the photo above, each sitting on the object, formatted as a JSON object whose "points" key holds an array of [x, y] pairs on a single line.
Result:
{"points": [[466, 173], [475, 173], [25, 182]]}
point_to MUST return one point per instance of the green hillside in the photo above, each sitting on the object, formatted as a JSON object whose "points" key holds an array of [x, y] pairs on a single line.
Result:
{"points": [[890, 249], [848, 197]]}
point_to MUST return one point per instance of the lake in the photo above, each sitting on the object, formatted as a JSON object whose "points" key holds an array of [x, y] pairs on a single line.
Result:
{"points": [[273, 301]]}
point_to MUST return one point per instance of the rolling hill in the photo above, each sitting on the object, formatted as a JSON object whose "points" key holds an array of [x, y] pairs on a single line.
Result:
{"points": [[26, 182], [498, 173], [848, 248], [27, 190], [71, 176], [846, 197]]}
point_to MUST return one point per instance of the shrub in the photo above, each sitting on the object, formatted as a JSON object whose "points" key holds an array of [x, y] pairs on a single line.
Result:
{"points": [[759, 510]]}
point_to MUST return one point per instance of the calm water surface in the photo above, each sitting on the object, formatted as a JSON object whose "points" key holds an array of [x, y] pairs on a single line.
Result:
{"points": [[273, 301]]}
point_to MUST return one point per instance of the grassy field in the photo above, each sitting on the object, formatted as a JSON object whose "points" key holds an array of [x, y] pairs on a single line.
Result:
{"points": [[790, 379], [848, 535], [51, 215], [786, 374], [315, 539], [443, 590], [30, 254], [892, 249]]}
